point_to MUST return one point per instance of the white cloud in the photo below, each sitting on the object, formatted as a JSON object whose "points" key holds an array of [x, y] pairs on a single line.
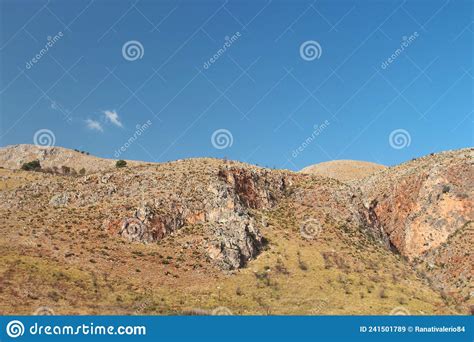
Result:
{"points": [[94, 125], [113, 117]]}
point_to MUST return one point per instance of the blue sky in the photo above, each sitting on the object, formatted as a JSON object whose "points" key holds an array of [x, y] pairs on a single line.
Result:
{"points": [[383, 81]]}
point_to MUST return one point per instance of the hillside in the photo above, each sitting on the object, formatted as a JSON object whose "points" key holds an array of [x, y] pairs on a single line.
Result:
{"points": [[12, 157], [204, 236], [425, 207], [343, 170]]}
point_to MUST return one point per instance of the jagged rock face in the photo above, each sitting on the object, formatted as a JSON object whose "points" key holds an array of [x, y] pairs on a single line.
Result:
{"points": [[255, 190], [425, 209], [230, 194], [421, 203], [234, 242]]}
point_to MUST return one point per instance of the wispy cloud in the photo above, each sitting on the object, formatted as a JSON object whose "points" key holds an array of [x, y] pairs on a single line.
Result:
{"points": [[113, 117], [94, 125]]}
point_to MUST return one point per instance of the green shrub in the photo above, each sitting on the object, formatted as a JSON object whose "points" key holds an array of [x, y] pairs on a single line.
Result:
{"points": [[31, 166], [120, 163], [65, 170]]}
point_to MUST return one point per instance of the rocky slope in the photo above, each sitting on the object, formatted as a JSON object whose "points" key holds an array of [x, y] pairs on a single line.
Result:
{"points": [[425, 207], [206, 233], [422, 202], [343, 170], [13, 157], [148, 203]]}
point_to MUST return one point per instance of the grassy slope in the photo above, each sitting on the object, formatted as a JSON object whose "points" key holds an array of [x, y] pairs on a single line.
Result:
{"points": [[62, 259], [291, 276]]}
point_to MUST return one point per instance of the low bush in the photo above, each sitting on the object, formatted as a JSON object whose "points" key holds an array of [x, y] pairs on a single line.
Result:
{"points": [[120, 163], [31, 166], [65, 170]]}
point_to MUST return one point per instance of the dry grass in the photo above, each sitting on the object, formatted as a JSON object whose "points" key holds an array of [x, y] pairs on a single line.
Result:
{"points": [[63, 258]]}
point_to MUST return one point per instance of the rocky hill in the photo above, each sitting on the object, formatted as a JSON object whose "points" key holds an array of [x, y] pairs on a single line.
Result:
{"points": [[343, 170], [212, 236], [13, 157], [425, 207]]}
